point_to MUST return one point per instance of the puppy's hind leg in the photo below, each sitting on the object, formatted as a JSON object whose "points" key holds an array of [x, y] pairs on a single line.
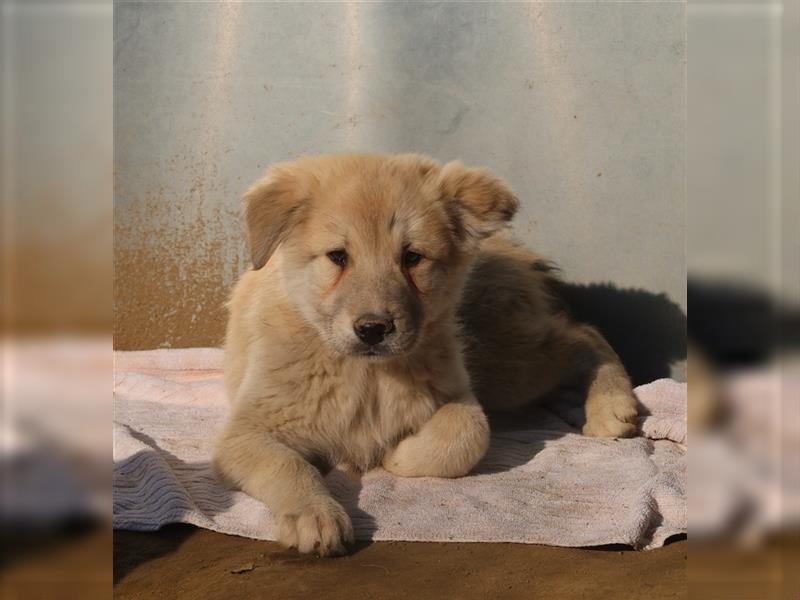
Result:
{"points": [[610, 404]]}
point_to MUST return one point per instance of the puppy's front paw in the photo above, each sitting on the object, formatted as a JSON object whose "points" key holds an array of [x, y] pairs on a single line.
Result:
{"points": [[448, 445], [320, 526], [405, 460], [611, 416]]}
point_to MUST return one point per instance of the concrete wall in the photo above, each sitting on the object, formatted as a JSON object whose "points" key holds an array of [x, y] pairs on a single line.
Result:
{"points": [[579, 106]]}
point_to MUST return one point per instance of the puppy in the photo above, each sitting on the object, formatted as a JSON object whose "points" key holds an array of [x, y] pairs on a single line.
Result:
{"points": [[386, 309]]}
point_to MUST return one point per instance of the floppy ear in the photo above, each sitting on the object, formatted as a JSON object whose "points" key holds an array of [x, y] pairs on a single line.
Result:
{"points": [[272, 207], [481, 202]]}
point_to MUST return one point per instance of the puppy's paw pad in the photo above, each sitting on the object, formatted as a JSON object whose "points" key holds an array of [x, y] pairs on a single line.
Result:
{"points": [[322, 527]]}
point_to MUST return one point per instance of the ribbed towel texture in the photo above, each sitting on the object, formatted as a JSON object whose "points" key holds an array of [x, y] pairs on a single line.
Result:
{"points": [[540, 483]]}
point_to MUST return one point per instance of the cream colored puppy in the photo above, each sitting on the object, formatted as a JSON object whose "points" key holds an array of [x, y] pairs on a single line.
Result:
{"points": [[383, 313]]}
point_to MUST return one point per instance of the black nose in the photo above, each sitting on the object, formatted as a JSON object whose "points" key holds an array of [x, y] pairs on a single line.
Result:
{"points": [[371, 329]]}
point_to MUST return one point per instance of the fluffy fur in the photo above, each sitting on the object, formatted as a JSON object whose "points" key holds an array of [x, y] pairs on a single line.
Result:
{"points": [[470, 318]]}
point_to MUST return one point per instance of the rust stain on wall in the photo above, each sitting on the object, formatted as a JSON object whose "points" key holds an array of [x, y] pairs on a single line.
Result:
{"points": [[161, 304], [175, 262], [52, 245]]}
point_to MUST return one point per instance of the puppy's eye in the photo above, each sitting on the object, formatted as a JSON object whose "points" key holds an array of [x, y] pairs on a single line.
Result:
{"points": [[411, 258], [338, 257]]}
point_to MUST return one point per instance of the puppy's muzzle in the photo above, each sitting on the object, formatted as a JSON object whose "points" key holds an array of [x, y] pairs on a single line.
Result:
{"points": [[373, 329]]}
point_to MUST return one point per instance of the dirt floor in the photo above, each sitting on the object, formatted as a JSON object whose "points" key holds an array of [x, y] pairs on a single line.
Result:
{"points": [[70, 563], [183, 562]]}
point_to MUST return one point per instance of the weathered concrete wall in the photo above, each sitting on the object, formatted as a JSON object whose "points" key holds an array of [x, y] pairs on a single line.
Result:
{"points": [[580, 106]]}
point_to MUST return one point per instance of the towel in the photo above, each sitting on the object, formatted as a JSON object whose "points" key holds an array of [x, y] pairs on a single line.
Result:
{"points": [[541, 482]]}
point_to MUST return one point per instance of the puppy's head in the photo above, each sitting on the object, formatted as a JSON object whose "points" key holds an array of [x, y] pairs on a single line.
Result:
{"points": [[373, 248]]}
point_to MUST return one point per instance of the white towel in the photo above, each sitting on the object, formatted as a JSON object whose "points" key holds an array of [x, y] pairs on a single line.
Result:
{"points": [[540, 483]]}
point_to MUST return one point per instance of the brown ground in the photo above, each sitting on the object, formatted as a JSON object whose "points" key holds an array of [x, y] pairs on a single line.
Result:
{"points": [[183, 562], [67, 564]]}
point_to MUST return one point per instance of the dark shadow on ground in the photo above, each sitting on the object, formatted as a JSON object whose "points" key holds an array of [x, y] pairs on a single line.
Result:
{"points": [[134, 548], [20, 542], [346, 489], [189, 484], [678, 537]]}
